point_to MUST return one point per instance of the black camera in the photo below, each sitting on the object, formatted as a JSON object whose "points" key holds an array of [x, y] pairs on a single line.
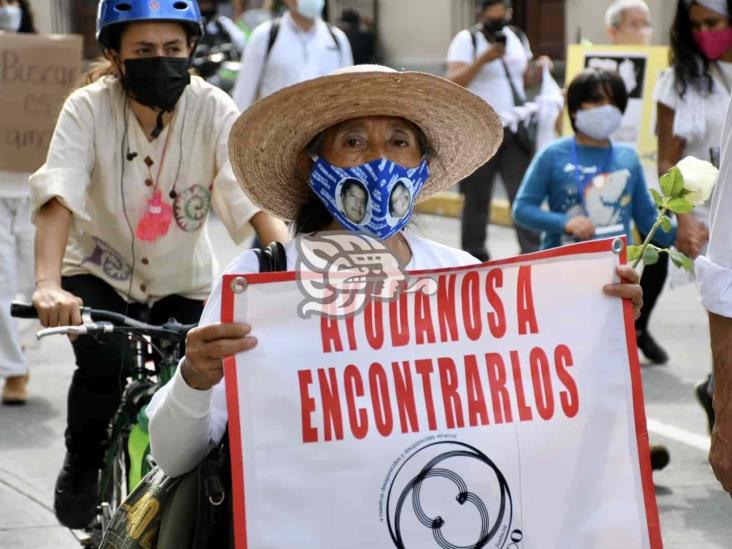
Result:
{"points": [[494, 37], [499, 37]]}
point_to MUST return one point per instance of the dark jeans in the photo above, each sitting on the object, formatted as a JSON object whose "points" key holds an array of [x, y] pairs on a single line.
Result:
{"points": [[511, 161], [101, 365], [652, 281]]}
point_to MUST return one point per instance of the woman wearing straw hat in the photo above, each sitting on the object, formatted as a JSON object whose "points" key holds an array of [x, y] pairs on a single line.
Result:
{"points": [[361, 123]]}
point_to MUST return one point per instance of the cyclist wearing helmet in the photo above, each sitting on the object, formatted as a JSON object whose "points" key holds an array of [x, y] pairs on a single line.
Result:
{"points": [[137, 161]]}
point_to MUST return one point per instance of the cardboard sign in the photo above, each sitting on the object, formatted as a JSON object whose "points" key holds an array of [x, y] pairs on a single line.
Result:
{"points": [[36, 75], [640, 68], [504, 410]]}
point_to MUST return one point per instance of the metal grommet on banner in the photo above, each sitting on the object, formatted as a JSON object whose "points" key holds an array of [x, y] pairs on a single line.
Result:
{"points": [[239, 285], [217, 500], [618, 246]]}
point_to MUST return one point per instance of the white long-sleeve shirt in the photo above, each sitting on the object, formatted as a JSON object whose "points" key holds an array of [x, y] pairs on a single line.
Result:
{"points": [[296, 55], [714, 270], [186, 423]]}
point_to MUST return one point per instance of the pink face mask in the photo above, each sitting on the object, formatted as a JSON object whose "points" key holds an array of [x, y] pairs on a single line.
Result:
{"points": [[713, 44]]}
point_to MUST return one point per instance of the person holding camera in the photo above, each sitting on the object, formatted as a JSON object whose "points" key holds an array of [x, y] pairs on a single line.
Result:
{"points": [[494, 61]]}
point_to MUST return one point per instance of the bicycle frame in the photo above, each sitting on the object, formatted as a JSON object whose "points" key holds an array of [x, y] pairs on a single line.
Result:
{"points": [[141, 382], [117, 477]]}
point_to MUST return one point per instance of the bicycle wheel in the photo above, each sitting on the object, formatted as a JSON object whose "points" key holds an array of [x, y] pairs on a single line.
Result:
{"points": [[120, 467], [113, 482]]}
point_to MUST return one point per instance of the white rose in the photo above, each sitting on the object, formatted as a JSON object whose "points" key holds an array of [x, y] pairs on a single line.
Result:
{"points": [[700, 177]]}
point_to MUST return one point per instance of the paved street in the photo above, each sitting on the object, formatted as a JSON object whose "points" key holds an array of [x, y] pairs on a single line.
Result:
{"points": [[694, 511]]}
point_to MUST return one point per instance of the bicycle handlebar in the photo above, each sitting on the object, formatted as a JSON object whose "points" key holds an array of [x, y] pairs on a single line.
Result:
{"points": [[83, 329], [106, 322], [21, 310]]}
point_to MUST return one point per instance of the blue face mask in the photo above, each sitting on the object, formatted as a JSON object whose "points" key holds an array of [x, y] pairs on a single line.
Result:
{"points": [[376, 198]]}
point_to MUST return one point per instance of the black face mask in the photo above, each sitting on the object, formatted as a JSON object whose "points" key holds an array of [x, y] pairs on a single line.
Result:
{"points": [[493, 25], [156, 82]]}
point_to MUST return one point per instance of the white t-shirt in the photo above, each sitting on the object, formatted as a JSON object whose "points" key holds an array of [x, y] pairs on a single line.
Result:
{"points": [[297, 55], [490, 83], [714, 107], [107, 191], [714, 269], [185, 423], [14, 184], [704, 114]]}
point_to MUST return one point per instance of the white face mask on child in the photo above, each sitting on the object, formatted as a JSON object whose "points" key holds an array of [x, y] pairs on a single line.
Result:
{"points": [[598, 122]]}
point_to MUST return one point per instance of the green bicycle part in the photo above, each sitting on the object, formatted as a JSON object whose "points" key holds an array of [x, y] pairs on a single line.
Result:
{"points": [[142, 419], [167, 371], [138, 446], [227, 75]]}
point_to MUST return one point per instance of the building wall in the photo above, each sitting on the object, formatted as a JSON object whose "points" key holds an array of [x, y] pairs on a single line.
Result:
{"points": [[415, 34], [412, 34], [364, 7], [51, 16]]}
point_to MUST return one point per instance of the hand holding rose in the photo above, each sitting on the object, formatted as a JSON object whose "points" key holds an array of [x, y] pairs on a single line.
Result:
{"points": [[685, 186]]}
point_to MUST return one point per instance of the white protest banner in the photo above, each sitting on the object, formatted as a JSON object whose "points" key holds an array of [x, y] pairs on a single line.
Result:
{"points": [[37, 73], [504, 410]]}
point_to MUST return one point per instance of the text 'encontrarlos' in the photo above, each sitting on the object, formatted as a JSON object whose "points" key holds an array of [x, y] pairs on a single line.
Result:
{"points": [[434, 390]]}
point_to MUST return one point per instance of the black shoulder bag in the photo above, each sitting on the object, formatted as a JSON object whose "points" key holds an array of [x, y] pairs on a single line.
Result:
{"points": [[214, 525], [527, 129], [274, 32]]}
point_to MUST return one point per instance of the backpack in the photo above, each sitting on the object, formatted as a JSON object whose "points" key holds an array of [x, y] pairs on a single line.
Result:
{"points": [[274, 31], [193, 511]]}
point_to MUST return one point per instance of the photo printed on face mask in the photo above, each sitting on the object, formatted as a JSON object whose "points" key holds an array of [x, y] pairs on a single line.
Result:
{"points": [[353, 201], [400, 198], [376, 197]]}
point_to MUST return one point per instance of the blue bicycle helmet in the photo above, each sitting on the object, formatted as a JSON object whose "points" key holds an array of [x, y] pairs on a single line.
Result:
{"points": [[115, 12]]}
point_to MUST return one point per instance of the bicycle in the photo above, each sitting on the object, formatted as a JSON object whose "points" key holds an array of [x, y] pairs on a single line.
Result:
{"points": [[127, 458]]}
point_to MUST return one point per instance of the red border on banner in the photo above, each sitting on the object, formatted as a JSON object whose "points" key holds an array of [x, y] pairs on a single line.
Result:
{"points": [[594, 246], [236, 446], [641, 429]]}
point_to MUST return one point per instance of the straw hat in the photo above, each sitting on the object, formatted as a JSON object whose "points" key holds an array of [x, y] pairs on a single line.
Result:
{"points": [[462, 129]]}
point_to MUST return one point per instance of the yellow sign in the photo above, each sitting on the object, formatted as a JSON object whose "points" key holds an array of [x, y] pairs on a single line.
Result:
{"points": [[640, 68]]}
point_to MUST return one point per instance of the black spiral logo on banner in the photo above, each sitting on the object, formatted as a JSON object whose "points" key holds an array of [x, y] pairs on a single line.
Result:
{"points": [[410, 492]]}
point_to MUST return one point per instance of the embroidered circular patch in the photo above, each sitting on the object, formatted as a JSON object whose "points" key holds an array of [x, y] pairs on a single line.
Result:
{"points": [[111, 261], [191, 207]]}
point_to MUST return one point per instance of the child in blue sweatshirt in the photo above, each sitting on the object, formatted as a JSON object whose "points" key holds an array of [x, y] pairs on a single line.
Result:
{"points": [[594, 188]]}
